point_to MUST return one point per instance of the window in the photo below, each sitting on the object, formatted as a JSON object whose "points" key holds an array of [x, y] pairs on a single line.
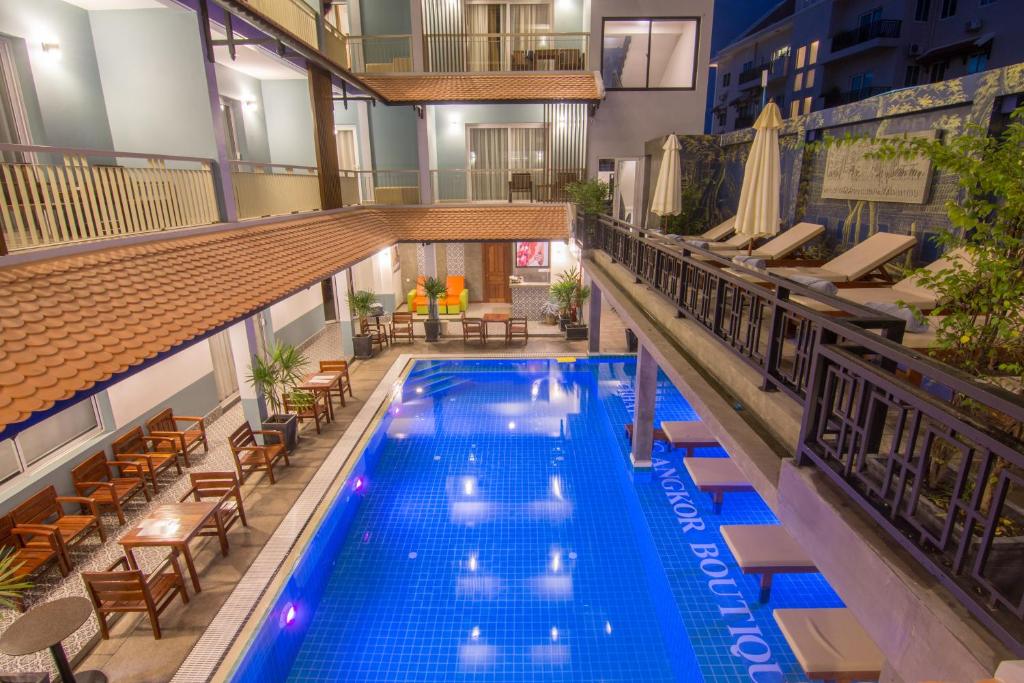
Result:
{"points": [[13, 119], [813, 57], [726, 79], [798, 82], [747, 66], [55, 433], [807, 104], [861, 81], [809, 81], [937, 72], [720, 117], [868, 18], [948, 9], [794, 109], [230, 109], [921, 10], [649, 54], [801, 57], [977, 62], [913, 74], [781, 52]]}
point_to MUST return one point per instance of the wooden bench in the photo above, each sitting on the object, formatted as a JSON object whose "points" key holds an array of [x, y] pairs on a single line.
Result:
{"points": [[45, 509], [830, 644], [716, 476], [689, 435], [766, 549]]}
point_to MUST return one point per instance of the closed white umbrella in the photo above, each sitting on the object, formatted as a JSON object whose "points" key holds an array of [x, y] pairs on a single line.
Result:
{"points": [[667, 200], [758, 210]]}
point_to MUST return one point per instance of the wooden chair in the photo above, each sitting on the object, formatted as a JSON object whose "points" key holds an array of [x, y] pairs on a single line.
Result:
{"points": [[123, 589], [166, 423], [401, 326], [376, 335], [473, 329], [345, 384], [34, 549], [105, 482], [45, 510], [517, 329], [308, 405], [521, 183], [134, 446], [222, 487], [251, 457]]}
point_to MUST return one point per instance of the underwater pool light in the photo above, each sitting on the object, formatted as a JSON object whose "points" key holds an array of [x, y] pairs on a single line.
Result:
{"points": [[288, 614]]}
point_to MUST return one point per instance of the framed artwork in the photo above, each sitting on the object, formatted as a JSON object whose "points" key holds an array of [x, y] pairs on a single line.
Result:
{"points": [[533, 254]]}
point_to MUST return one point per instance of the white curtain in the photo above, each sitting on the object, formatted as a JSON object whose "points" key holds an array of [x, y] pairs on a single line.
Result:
{"points": [[478, 52], [524, 20], [223, 365], [527, 151], [488, 154], [347, 159]]}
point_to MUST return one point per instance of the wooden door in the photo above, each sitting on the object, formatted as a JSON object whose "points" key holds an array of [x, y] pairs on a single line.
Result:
{"points": [[497, 268]]}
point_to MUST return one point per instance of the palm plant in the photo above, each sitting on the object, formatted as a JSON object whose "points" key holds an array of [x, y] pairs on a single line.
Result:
{"points": [[434, 288], [277, 373], [362, 302], [11, 587]]}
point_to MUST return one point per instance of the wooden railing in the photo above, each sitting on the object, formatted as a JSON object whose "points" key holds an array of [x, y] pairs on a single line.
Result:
{"points": [[382, 186], [294, 16], [380, 54], [481, 52], [51, 195], [932, 455], [274, 189], [483, 185]]}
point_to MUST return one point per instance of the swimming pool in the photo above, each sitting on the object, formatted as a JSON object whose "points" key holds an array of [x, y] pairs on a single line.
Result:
{"points": [[493, 530]]}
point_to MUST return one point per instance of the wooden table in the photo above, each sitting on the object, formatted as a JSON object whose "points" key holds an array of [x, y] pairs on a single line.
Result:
{"points": [[322, 382], [175, 525], [45, 626], [499, 318]]}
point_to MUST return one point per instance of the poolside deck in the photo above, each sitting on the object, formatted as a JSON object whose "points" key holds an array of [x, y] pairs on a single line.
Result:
{"points": [[132, 655]]}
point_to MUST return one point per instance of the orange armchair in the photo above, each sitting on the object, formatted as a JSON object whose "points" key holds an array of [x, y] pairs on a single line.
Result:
{"points": [[417, 298], [457, 300]]}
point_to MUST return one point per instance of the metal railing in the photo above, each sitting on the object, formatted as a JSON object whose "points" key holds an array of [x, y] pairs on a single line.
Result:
{"points": [[486, 185], [274, 189], [380, 54], [483, 52], [385, 186], [883, 28], [53, 195], [834, 99], [898, 432]]}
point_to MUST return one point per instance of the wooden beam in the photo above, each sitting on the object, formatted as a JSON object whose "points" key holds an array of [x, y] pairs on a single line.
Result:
{"points": [[322, 99]]}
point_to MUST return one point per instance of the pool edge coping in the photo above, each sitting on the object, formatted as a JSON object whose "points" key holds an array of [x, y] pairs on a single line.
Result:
{"points": [[233, 626]]}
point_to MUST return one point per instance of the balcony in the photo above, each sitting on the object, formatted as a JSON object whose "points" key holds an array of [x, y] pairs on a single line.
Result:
{"points": [[51, 195], [776, 68], [835, 98], [883, 28], [492, 185], [379, 54], [489, 52], [384, 186]]}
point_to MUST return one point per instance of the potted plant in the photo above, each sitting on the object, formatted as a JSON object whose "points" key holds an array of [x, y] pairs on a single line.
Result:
{"points": [[361, 303], [275, 376], [577, 328], [11, 586], [561, 292], [591, 198], [550, 312], [435, 289]]}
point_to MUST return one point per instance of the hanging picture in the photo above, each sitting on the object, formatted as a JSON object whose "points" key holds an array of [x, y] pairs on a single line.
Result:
{"points": [[532, 254]]}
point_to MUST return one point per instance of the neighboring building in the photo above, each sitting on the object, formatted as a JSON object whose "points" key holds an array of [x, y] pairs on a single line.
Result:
{"points": [[823, 53]]}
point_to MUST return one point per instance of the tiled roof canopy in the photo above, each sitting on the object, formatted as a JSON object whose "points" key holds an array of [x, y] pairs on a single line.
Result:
{"points": [[70, 323], [577, 86]]}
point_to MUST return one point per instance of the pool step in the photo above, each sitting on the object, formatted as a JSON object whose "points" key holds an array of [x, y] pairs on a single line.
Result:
{"points": [[438, 385]]}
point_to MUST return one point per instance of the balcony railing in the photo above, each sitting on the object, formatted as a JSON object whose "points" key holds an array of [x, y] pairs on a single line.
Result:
{"points": [[491, 185], [834, 99], [462, 52], [52, 195], [777, 68], [883, 28], [750, 74], [274, 189], [889, 426], [294, 16], [379, 54], [380, 186]]}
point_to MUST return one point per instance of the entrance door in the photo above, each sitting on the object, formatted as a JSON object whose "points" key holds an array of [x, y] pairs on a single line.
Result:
{"points": [[624, 200], [497, 268]]}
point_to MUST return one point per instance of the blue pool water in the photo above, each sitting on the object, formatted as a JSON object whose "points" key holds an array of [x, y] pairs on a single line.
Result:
{"points": [[498, 533]]}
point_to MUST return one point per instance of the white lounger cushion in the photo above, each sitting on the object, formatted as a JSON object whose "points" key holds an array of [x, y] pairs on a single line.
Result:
{"points": [[911, 287], [720, 231], [857, 262], [786, 242], [733, 243], [765, 547], [830, 643]]}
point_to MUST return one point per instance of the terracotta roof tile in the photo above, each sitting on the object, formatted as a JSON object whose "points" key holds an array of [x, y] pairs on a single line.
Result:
{"points": [[418, 88], [68, 323]]}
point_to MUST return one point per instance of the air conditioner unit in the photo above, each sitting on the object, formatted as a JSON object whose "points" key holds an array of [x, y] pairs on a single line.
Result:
{"points": [[972, 25], [913, 50]]}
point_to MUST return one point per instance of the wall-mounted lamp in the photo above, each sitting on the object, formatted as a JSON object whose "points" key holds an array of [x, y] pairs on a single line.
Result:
{"points": [[51, 49], [250, 105]]}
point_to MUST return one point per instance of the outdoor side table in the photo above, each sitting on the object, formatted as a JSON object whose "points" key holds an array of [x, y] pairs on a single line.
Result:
{"points": [[46, 626]]}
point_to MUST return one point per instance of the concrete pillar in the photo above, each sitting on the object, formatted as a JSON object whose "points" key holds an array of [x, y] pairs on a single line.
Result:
{"points": [[594, 318], [423, 157], [430, 259], [343, 312], [223, 186], [244, 348], [416, 39], [643, 408]]}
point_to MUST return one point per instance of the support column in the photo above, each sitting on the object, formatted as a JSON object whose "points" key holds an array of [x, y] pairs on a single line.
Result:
{"points": [[430, 259], [321, 96], [343, 312], [594, 318], [643, 408], [423, 157], [223, 187], [244, 348], [416, 38]]}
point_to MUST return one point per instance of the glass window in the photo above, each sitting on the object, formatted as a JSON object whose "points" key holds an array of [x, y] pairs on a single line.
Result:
{"points": [[726, 79], [794, 109], [649, 53], [809, 81], [813, 57], [921, 10], [948, 9], [913, 74], [57, 431], [937, 72], [781, 52], [798, 81], [807, 104], [977, 62], [801, 57]]}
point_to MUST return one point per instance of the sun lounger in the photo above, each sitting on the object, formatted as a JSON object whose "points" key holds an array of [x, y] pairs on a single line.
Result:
{"points": [[869, 256], [766, 549], [782, 245], [734, 243], [717, 233], [688, 435], [830, 644], [716, 476]]}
